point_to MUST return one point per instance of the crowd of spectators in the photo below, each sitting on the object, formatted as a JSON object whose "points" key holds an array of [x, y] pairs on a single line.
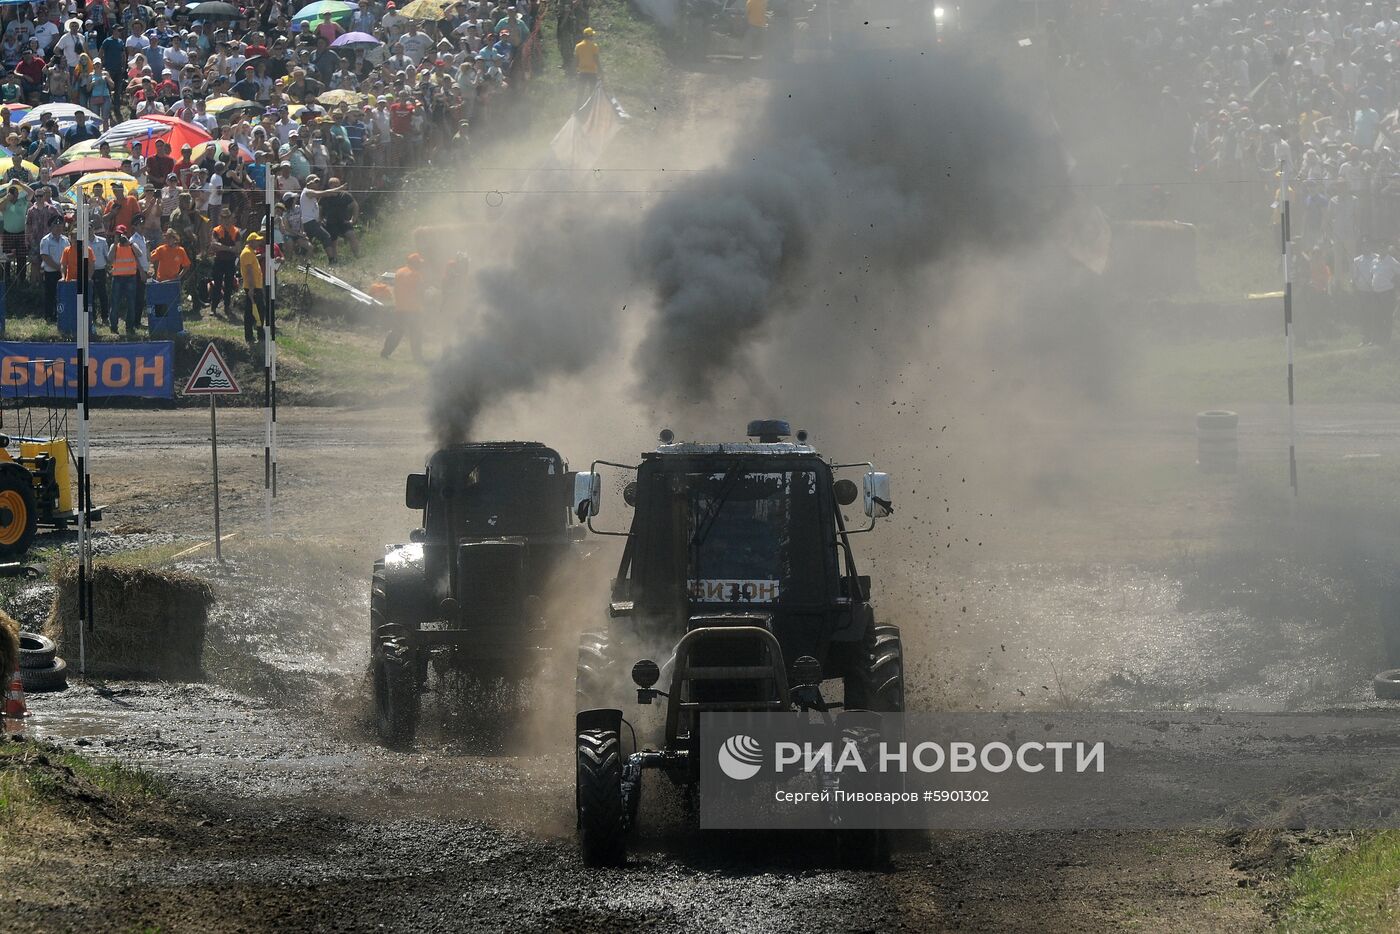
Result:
{"points": [[1243, 101], [334, 101]]}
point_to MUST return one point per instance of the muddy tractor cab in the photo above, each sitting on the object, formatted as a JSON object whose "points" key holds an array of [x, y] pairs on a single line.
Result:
{"points": [[737, 581], [464, 592]]}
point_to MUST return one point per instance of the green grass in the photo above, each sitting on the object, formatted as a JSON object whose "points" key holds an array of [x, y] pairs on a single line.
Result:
{"points": [[32, 776], [634, 65], [1347, 887], [1222, 373]]}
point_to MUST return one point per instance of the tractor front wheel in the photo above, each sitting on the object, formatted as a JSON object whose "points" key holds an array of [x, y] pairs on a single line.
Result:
{"points": [[19, 511], [396, 698], [602, 822], [878, 682]]}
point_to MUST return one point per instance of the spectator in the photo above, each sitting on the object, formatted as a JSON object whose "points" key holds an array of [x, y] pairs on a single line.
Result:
{"points": [[124, 263], [169, 263], [226, 239], [250, 269], [13, 208], [51, 248]]}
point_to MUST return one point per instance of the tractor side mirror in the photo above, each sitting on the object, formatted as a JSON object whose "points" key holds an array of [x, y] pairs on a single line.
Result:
{"points": [[846, 491], [629, 493], [877, 495], [415, 494], [588, 494]]}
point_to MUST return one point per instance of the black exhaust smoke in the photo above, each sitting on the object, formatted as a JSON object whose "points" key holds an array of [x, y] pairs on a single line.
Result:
{"points": [[858, 174]]}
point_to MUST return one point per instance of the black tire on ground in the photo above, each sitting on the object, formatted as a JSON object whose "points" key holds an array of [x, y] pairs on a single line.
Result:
{"points": [[878, 684], [1387, 684], [602, 826], [36, 651], [396, 697], [19, 511], [596, 674], [39, 680]]}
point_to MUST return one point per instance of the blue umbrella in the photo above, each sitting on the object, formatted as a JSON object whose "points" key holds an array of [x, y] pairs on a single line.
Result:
{"points": [[312, 12]]}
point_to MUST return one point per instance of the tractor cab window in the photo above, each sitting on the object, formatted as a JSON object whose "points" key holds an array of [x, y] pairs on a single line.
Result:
{"points": [[494, 496], [753, 537]]}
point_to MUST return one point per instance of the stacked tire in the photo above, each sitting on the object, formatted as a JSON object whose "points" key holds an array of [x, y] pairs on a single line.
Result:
{"points": [[40, 668]]}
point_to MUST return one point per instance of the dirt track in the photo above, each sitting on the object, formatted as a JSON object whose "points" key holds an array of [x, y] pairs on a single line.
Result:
{"points": [[287, 815]]}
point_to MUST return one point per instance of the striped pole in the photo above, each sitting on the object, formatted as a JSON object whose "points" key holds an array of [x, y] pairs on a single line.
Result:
{"points": [[81, 236], [1287, 237], [270, 356]]}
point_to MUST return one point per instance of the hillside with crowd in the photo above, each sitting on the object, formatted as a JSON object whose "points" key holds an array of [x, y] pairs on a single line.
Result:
{"points": [[169, 121], [1223, 107]]}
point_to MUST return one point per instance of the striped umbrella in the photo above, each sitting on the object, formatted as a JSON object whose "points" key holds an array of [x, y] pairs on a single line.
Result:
{"points": [[144, 131], [63, 113]]}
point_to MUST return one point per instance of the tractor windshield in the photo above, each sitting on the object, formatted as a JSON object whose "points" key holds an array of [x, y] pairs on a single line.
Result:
{"points": [[754, 536], [495, 495]]}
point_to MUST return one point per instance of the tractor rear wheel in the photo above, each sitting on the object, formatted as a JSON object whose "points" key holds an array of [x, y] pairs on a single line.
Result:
{"points": [[19, 511], [878, 682], [396, 699], [602, 824]]}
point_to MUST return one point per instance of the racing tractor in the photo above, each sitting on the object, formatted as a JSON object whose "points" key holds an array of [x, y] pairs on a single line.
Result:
{"points": [[464, 592], [738, 572]]}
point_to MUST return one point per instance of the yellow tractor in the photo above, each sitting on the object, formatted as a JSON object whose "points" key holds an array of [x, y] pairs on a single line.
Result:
{"points": [[36, 469], [35, 489]]}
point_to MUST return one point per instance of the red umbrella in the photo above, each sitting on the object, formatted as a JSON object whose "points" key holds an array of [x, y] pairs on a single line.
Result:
{"points": [[146, 129], [84, 166]]}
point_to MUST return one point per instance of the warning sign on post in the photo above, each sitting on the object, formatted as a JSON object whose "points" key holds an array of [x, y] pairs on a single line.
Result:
{"points": [[212, 377]]}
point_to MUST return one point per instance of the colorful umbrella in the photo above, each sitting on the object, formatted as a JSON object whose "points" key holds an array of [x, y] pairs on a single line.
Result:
{"points": [[89, 183], [144, 131], [311, 13], [63, 113], [230, 105], [90, 147], [356, 40], [87, 165], [221, 148], [29, 167]]}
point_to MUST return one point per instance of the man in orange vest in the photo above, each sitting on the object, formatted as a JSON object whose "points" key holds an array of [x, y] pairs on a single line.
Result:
{"points": [[408, 306], [70, 267], [226, 239], [125, 273]]}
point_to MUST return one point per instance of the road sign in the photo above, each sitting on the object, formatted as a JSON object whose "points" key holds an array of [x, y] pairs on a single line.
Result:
{"points": [[212, 376]]}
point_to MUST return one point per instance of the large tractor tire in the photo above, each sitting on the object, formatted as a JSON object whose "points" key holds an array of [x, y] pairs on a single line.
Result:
{"points": [[396, 698], [378, 604], [596, 679], [602, 823], [19, 511], [878, 682]]}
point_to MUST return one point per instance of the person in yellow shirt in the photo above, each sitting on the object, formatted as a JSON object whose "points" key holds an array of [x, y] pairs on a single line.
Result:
{"points": [[756, 14], [588, 66], [169, 261], [250, 270]]}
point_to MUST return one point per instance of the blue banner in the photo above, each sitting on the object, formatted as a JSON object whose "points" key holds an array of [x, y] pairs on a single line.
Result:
{"points": [[51, 370]]}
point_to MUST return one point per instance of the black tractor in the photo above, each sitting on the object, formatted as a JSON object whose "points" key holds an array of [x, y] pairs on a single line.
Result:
{"points": [[464, 593], [738, 574]]}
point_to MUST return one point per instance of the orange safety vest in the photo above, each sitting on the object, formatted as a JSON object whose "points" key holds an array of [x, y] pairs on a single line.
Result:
{"points": [[124, 260]]}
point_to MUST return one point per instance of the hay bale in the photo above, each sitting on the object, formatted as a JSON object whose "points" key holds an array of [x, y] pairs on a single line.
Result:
{"points": [[9, 648], [149, 623]]}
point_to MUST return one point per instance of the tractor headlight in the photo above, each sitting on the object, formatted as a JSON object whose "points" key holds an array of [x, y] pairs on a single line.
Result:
{"points": [[938, 14]]}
